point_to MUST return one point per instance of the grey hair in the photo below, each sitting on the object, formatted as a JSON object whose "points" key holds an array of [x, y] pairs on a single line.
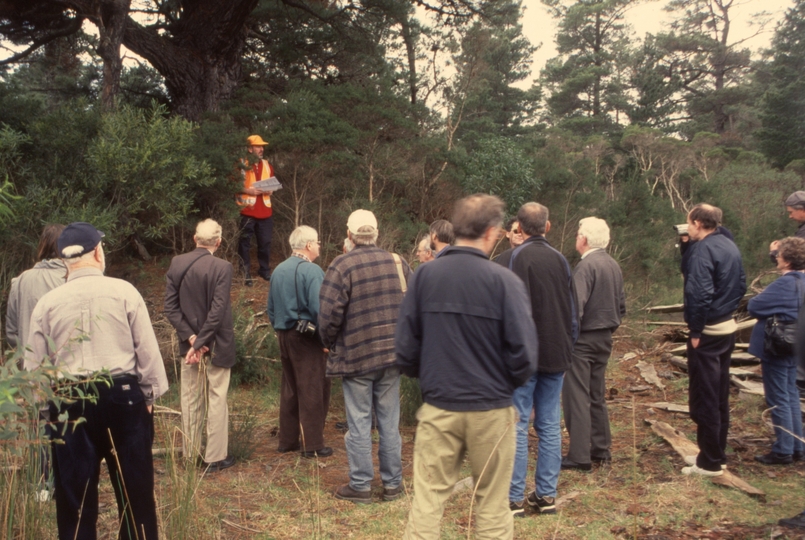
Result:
{"points": [[596, 231], [301, 235], [208, 232], [73, 261], [366, 236], [424, 245]]}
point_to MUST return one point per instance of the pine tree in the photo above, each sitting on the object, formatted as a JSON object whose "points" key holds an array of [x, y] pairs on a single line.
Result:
{"points": [[782, 138], [586, 82]]}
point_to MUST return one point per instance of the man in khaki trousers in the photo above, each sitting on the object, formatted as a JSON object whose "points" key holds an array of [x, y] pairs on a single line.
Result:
{"points": [[471, 341], [197, 304]]}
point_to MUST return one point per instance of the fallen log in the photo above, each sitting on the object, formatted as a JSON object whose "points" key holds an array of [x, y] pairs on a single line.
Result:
{"points": [[685, 447], [679, 362], [750, 387], [740, 372], [670, 407], [671, 308], [743, 359], [159, 409]]}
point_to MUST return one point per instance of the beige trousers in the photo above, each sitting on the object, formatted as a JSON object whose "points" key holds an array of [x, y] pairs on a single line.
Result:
{"points": [[442, 440], [204, 388]]}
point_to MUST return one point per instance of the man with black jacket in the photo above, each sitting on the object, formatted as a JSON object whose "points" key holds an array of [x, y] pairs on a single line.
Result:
{"points": [[549, 283], [714, 285], [471, 342]]}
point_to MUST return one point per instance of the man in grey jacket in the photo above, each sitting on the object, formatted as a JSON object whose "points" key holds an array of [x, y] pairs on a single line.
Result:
{"points": [[198, 305], [601, 302]]}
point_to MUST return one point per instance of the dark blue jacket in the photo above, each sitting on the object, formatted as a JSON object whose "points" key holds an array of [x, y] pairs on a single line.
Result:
{"points": [[714, 282], [783, 298], [684, 247], [465, 330]]}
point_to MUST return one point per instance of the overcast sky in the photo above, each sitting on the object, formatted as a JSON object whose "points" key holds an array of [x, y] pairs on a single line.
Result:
{"points": [[650, 17]]}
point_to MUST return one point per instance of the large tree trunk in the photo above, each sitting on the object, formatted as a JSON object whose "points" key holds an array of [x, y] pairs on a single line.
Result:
{"points": [[201, 58], [111, 18]]}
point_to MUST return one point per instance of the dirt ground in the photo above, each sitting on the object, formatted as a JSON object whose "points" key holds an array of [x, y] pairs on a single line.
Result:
{"points": [[641, 494]]}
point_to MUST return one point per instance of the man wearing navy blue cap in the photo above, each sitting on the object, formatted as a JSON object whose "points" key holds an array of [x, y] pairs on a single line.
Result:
{"points": [[91, 327]]}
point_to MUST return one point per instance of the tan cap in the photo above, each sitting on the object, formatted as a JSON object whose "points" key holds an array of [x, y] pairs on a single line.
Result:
{"points": [[361, 218], [255, 140]]}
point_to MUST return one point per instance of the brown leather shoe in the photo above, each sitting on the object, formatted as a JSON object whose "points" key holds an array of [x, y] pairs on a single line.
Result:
{"points": [[216, 466], [392, 494], [346, 493], [321, 452]]}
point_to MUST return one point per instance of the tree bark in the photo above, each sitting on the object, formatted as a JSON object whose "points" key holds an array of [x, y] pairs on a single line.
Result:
{"points": [[200, 58], [410, 51], [111, 17]]}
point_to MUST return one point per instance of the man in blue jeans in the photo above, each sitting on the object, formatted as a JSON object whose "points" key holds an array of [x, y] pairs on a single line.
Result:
{"points": [[358, 306], [549, 282]]}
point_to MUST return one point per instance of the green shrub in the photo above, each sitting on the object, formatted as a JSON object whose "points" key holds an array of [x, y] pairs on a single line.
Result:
{"points": [[256, 345]]}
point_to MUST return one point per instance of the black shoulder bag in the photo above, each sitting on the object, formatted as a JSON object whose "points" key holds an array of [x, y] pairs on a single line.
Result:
{"points": [[780, 336]]}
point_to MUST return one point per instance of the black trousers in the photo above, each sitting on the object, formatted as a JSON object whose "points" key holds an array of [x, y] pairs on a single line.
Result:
{"points": [[584, 398], [262, 230], [709, 397], [305, 391], [118, 428]]}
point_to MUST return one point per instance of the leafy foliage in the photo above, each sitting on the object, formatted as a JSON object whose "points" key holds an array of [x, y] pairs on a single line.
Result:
{"points": [[499, 167]]}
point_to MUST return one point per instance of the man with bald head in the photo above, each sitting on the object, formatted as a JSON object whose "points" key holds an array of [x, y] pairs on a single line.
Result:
{"points": [[714, 286]]}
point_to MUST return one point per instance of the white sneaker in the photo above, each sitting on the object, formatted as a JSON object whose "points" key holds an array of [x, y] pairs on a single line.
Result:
{"points": [[694, 469], [691, 460]]}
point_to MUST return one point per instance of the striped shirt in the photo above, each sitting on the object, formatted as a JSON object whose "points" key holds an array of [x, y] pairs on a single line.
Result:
{"points": [[359, 303]]}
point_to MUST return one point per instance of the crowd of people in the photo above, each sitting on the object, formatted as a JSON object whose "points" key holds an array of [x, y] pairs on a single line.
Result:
{"points": [[491, 342]]}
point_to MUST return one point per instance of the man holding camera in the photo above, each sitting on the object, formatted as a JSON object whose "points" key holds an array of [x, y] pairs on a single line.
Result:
{"points": [[360, 300], [293, 308], [198, 305], [714, 286]]}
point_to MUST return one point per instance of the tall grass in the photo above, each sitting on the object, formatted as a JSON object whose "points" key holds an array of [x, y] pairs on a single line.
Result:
{"points": [[178, 512], [24, 447]]}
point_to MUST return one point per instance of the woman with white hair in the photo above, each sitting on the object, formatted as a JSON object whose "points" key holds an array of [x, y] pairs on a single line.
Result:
{"points": [[293, 308]]}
